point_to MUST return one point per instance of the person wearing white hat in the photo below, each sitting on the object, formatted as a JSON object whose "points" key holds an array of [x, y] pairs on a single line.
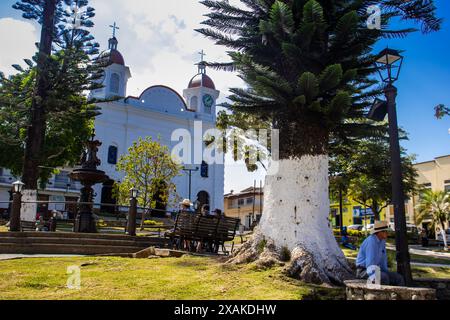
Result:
{"points": [[372, 256]]}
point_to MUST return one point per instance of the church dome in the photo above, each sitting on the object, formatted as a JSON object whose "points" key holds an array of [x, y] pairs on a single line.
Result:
{"points": [[114, 56], [201, 80]]}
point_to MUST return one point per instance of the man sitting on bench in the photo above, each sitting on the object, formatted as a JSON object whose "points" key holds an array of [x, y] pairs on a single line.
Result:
{"points": [[372, 256], [41, 225]]}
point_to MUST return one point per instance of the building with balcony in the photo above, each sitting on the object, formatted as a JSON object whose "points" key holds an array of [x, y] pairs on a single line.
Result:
{"points": [[353, 213], [246, 205], [433, 175]]}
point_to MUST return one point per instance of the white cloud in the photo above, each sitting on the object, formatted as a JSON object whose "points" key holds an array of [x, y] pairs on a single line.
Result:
{"points": [[159, 44], [18, 38], [158, 41]]}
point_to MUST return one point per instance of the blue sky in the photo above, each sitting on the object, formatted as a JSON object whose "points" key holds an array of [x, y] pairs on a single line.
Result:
{"points": [[160, 46]]}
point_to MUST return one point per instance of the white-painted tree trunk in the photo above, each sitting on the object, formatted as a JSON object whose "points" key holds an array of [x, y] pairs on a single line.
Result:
{"points": [[296, 211], [444, 237]]}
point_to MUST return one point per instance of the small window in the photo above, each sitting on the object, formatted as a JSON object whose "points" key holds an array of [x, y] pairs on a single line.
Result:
{"points": [[208, 110], [112, 155], [241, 202], [204, 170], [115, 83], [447, 188], [249, 200], [194, 103]]}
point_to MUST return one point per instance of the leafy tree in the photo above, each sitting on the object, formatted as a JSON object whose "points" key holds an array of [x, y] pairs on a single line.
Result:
{"points": [[65, 118], [434, 205], [367, 167], [442, 111], [148, 167], [308, 68]]}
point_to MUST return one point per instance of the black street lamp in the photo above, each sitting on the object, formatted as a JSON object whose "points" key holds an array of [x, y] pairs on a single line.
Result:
{"points": [[14, 222], [388, 65], [131, 225]]}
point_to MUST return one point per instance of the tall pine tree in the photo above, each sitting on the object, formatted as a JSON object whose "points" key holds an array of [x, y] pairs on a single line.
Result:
{"points": [[44, 113], [308, 65]]}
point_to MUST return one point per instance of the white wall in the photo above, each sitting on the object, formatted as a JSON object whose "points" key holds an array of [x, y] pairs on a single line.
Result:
{"points": [[158, 112]]}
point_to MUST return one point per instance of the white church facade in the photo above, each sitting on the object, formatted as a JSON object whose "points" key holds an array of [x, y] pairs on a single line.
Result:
{"points": [[158, 112]]}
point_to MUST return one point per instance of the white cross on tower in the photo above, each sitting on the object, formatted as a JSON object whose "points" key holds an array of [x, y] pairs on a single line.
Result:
{"points": [[114, 27], [202, 54]]}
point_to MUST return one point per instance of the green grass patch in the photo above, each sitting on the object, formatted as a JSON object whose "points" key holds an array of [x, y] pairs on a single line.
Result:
{"points": [[105, 278], [439, 273]]}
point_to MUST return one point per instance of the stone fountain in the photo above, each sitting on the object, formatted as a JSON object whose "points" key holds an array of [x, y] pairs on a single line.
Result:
{"points": [[88, 175]]}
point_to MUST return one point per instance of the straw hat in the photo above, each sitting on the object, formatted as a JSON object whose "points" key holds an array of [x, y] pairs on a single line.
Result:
{"points": [[186, 202], [380, 226]]}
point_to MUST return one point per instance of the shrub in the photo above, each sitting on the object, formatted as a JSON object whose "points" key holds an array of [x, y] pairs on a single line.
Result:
{"points": [[285, 254], [152, 223], [261, 245], [101, 223], [355, 233]]}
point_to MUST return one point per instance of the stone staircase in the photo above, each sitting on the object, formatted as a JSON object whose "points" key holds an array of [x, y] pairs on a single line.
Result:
{"points": [[74, 243]]}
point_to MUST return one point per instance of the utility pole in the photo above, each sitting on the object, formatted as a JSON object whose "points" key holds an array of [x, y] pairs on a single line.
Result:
{"points": [[254, 200], [36, 129], [341, 210], [260, 197], [190, 179]]}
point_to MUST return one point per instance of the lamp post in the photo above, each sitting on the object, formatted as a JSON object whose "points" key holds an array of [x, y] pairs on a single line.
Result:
{"points": [[131, 224], [14, 223], [388, 65]]}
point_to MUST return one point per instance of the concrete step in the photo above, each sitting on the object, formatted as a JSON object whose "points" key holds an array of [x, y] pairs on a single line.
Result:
{"points": [[74, 243], [99, 242], [42, 248], [70, 235]]}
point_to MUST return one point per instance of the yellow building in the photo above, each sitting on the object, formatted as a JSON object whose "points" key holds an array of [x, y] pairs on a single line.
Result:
{"points": [[434, 175], [246, 205], [353, 212]]}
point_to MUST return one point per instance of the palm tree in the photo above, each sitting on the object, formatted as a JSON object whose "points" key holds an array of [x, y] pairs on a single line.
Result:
{"points": [[434, 206], [308, 68]]}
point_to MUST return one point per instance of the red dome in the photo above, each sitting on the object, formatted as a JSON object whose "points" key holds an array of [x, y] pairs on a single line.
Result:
{"points": [[200, 80], [114, 57]]}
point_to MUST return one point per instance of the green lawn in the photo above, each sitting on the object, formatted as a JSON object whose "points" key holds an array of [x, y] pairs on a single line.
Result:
{"points": [[197, 278], [105, 278]]}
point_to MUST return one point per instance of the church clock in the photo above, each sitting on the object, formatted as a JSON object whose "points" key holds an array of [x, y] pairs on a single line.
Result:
{"points": [[208, 101]]}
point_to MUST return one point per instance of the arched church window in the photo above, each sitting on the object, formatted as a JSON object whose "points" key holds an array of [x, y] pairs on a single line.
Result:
{"points": [[112, 154], [194, 103], [115, 83]]}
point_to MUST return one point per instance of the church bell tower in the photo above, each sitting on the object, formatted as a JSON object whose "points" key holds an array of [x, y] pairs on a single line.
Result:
{"points": [[201, 94], [116, 75]]}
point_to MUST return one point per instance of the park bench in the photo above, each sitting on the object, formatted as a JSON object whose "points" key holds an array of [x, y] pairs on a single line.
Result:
{"points": [[27, 226], [31, 226], [215, 231]]}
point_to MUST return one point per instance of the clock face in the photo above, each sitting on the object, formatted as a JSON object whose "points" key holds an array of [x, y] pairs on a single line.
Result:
{"points": [[208, 101]]}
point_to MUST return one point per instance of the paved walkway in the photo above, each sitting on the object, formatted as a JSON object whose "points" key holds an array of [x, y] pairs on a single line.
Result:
{"points": [[419, 264], [420, 251], [21, 256]]}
